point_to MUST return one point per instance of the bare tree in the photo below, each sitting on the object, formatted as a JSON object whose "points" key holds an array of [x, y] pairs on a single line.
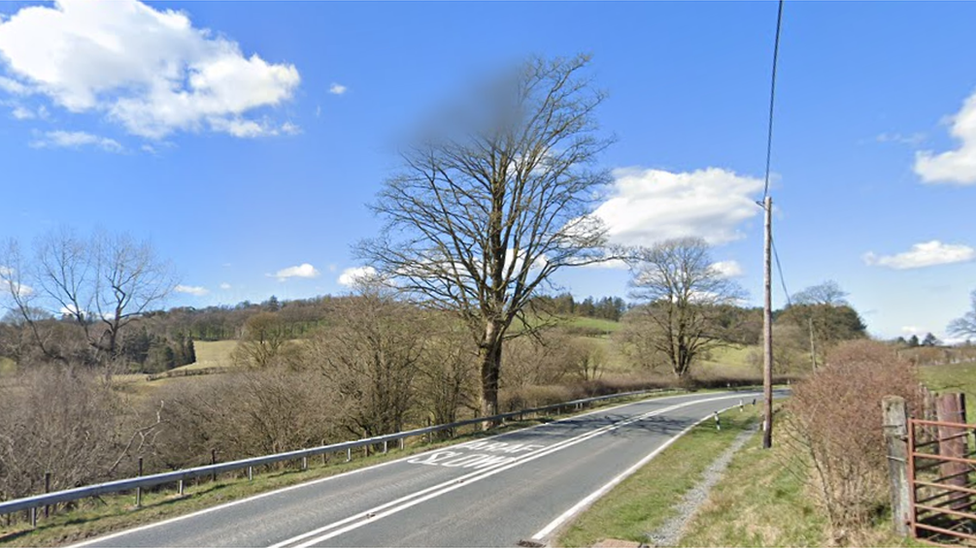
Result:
{"points": [[370, 358], [682, 292], [447, 374], [263, 341], [484, 212], [102, 283], [827, 292], [965, 326]]}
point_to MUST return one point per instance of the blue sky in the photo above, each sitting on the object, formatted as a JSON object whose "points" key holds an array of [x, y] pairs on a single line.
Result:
{"points": [[245, 139]]}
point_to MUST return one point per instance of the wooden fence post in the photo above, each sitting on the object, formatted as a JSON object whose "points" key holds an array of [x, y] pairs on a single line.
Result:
{"points": [[895, 423], [951, 407]]}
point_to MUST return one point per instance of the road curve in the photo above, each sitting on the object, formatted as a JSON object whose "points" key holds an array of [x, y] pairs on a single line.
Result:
{"points": [[492, 492]]}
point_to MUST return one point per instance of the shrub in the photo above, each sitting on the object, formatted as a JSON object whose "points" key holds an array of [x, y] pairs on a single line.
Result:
{"points": [[834, 417], [65, 421]]}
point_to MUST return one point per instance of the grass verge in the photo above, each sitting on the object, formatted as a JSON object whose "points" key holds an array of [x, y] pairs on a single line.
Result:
{"points": [[112, 513], [763, 500], [643, 502], [758, 503]]}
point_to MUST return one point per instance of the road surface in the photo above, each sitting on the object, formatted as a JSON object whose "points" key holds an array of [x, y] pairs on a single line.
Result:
{"points": [[492, 492]]}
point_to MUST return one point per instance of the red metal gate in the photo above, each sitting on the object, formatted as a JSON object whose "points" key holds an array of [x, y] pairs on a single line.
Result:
{"points": [[941, 477]]}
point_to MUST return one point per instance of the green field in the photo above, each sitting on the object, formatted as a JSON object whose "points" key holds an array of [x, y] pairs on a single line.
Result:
{"points": [[595, 324], [731, 360], [212, 354], [953, 378]]}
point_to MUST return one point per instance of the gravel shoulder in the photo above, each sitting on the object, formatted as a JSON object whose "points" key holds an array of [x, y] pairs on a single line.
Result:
{"points": [[671, 531]]}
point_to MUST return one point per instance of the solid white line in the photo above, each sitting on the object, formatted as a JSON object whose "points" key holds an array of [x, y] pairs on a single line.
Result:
{"points": [[588, 500], [413, 495], [372, 517], [371, 512], [87, 543]]}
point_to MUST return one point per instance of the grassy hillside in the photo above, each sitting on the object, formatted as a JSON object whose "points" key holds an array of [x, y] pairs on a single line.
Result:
{"points": [[594, 324], [956, 378], [212, 354], [732, 360]]}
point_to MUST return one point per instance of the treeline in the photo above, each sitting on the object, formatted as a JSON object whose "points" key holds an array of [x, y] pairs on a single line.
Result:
{"points": [[607, 308], [300, 316], [143, 347], [379, 365]]}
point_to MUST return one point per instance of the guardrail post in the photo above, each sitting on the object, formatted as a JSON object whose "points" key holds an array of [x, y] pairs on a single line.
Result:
{"points": [[33, 517], [47, 488], [250, 473], [30, 506], [895, 424], [139, 488], [304, 463], [384, 447]]}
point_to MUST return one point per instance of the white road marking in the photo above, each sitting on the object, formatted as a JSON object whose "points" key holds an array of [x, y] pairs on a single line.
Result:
{"points": [[347, 525], [371, 513], [333, 477], [588, 500]]}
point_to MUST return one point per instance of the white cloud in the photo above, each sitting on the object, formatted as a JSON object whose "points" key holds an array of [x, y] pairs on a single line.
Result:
{"points": [[7, 285], [925, 254], [240, 127], [913, 139], [354, 275], [192, 290], [304, 270], [728, 269], [21, 113], [959, 165], [225, 286], [910, 330], [75, 140], [149, 70], [13, 87], [337, 89], [647, 205]]}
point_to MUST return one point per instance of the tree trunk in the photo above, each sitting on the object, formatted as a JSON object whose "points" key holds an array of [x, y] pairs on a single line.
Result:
{"points": [[491, 362]]}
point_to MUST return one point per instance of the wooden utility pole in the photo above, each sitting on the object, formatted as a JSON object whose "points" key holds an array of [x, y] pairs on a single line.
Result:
{"points": [[768, 327]]}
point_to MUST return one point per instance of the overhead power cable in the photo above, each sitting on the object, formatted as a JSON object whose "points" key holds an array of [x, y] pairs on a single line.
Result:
{"points": [[772, 99], [779, 269]]}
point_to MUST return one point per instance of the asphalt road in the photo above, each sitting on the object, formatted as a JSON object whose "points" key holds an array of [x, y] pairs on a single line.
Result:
{"points": [[493, 492]]}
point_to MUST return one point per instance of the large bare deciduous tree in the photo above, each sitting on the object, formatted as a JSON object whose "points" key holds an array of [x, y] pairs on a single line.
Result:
{"points": [[487, 208], [965, 326], [683, 292], [102, 282]]}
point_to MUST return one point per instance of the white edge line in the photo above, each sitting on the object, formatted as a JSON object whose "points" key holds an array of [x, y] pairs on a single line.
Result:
{"points": [[86, 543], [491, 472], [600, 492], [481, 475]]}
